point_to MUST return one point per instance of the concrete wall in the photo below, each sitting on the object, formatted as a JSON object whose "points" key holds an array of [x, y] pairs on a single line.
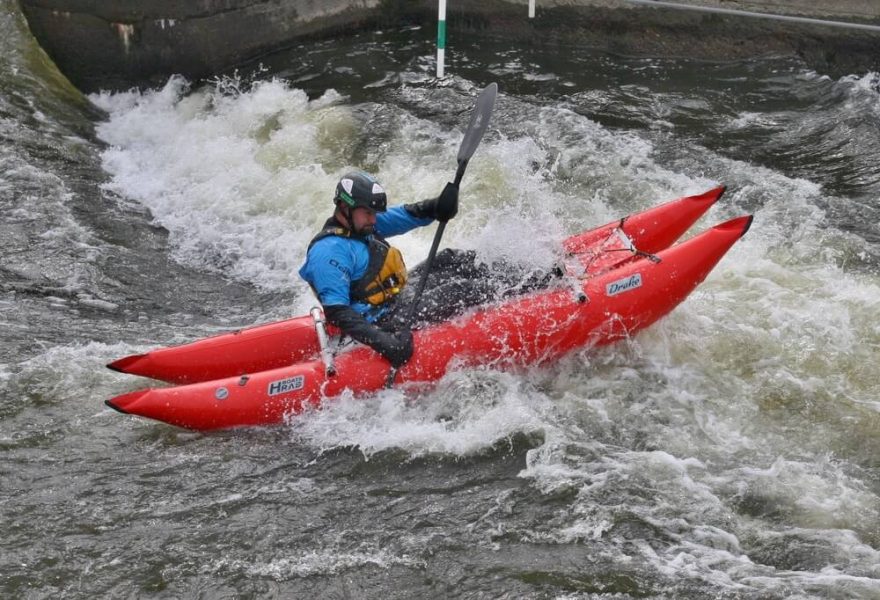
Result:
{"points": [[647, 29], [820, 9], [117, 44]]}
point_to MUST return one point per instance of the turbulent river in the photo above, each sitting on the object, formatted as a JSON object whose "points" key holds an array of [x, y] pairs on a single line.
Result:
{"points": [[730, 451]]}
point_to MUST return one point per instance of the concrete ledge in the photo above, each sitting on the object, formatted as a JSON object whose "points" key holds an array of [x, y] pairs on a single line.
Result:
{"points": [[117, 44], [630, 29], [848, 10]]}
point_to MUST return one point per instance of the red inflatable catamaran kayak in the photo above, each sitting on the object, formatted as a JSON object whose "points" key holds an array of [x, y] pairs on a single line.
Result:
{"points": [[621, 277]]}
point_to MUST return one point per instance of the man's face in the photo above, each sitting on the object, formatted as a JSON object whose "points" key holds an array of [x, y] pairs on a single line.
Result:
{"points": [[363, 220]]}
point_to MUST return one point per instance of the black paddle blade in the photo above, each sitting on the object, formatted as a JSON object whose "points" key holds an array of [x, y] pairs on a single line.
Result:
{"points": [[479, 122]]}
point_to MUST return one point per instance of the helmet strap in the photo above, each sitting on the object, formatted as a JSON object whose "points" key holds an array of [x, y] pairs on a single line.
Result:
{"points": [[348, 212], [345, 210]]}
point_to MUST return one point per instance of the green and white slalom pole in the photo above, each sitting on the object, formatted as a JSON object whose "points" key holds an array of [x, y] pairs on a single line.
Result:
{"points": [[441, 38]]}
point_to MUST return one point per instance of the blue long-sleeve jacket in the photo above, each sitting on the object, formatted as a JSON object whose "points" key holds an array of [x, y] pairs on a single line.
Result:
{"points": [[334, 262]]}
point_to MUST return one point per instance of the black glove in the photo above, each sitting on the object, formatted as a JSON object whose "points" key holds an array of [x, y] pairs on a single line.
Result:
{"points": [[399, 353], [397, 348], [442, 208], [447, 203]]}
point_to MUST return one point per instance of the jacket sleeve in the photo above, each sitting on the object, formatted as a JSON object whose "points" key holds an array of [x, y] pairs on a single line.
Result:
{"points": [[398, 220], [393, 347]]}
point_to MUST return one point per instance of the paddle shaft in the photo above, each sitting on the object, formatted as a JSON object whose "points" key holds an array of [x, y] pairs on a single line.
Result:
{"points": [[476, 128], [414, 307]]}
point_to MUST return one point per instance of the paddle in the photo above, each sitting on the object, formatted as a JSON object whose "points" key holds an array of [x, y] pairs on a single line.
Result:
{"points": [[476, 128]]}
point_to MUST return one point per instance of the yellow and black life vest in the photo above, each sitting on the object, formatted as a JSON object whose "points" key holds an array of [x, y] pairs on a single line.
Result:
{"points": [[386, 272]]}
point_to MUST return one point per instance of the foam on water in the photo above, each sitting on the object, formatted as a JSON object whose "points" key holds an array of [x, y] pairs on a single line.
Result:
{"points": [[468, 413], [863, 91], [318, 562], [217, 170], [68, 377], [32, 195]]}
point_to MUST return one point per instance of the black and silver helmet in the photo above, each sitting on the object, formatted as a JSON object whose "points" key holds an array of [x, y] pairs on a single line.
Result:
{"points": [[359, 189]]}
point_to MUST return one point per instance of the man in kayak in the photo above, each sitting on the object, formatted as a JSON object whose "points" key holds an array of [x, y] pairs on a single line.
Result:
{"points": [[359, 277], [355, 273]]}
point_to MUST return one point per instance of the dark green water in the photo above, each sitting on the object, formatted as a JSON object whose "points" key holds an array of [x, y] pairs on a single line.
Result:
{"points": [[730, 451]]}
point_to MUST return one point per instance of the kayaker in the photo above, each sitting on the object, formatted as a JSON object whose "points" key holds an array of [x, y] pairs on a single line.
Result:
{"points": [[355, 273]]}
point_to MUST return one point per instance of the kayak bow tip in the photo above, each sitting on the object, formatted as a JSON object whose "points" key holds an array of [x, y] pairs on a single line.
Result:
{"points": [[711, 196], [747, 225], [124, 402], [737, 225], [124, 365]]}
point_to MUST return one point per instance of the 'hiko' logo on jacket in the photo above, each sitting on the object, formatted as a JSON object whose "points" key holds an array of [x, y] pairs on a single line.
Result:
{"points": [[624, 285]]}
